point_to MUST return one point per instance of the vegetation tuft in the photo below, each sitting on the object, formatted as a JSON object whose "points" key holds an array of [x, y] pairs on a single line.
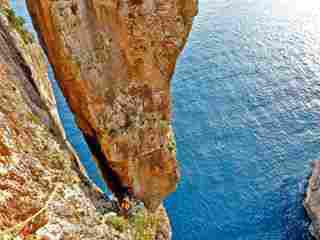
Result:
{"points": [[172, 145], [18, 22], [145, 225], [142, 224], [117, 222]]}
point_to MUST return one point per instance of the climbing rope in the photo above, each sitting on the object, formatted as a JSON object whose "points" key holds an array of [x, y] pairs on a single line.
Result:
{"points": [[18, 227]]}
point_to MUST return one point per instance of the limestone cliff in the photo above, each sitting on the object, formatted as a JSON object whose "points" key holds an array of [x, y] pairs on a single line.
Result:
{"points": [[44, 194], [312, 200], [114, 60]]}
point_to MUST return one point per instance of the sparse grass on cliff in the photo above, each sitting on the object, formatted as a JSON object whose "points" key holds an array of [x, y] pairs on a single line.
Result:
{"points": [[164, 124], [18, 22], [142, 225], [117, 222], [172, 144]]}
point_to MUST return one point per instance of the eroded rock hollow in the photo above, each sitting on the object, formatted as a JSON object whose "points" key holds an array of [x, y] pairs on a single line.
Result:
{"points": [[114, 60]]}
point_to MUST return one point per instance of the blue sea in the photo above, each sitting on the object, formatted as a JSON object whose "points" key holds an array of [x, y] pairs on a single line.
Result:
{"points": [[246, 97]]}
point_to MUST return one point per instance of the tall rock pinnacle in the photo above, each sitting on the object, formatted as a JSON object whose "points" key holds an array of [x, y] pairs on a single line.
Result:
{"points": [[114, 60]]}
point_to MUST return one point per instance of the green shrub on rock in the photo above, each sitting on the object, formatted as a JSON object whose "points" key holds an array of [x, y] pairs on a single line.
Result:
{"points": [[18, 22]]}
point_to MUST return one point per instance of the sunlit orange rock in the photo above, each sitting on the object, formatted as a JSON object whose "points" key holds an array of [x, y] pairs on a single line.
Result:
{"points": [[114, 60], [44, 192]]}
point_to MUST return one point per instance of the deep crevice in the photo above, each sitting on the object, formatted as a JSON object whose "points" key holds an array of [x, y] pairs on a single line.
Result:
{"points": [[65, 114], [112, 179]]}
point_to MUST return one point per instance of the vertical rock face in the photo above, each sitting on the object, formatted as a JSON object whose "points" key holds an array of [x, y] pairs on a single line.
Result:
{"points": [[114, 60], [43, 193], [312, 200]]}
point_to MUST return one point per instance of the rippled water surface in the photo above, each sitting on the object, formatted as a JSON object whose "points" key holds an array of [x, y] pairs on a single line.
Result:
{"points": [[246, 115]]}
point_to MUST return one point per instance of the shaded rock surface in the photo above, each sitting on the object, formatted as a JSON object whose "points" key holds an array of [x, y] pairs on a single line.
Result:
{"points": [[44, 193], [114, 60], [312, 200]]}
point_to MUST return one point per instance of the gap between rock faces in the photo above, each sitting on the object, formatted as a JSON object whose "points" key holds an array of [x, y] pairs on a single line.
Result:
{"points": [[114, 61], [73, 134], [43, 194]]}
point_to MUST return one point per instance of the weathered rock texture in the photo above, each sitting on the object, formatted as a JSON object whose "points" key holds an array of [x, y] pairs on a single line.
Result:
{"points": [[43, 192], [114, 60], [4, 3], [312, 200]]}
